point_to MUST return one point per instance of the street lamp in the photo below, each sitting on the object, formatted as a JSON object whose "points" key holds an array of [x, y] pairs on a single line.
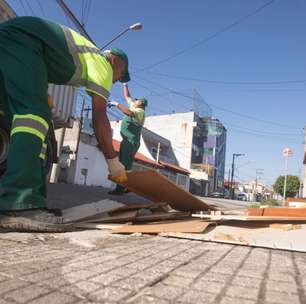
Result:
{"points": [[134, 27], [233, 169]]}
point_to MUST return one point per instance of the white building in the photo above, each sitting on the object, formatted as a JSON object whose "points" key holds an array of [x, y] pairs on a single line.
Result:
{"points": [[83, 163], [195, 146]]}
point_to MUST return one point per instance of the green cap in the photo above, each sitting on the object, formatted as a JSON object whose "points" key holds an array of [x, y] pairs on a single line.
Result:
{"points": [[144, 101], [124, 57]]}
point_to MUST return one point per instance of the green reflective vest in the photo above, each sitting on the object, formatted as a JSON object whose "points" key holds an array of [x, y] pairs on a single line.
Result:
{"points": [[93, 71]]}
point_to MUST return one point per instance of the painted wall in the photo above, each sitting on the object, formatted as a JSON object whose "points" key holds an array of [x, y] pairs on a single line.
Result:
{"points": [[178, 129], [91, 167]]}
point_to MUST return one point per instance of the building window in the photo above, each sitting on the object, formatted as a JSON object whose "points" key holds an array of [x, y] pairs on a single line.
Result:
{"points": [[181, 180]]}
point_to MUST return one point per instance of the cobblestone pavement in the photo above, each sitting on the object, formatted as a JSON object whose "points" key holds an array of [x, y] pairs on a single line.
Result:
{"points": [[98, 267]]}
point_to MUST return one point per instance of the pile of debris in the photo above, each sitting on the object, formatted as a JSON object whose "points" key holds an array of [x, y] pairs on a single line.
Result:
{"points": [[174, 212]]}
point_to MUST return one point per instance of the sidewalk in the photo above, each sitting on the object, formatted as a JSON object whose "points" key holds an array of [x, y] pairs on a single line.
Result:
{"points": [[95, 266]]}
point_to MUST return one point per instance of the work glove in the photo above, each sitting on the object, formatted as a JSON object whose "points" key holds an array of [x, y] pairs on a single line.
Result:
{"points": [[116, 170], [112, 103]]}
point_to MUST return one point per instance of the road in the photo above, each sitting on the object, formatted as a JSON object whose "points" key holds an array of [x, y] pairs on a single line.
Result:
{"points": [[226, 203]]}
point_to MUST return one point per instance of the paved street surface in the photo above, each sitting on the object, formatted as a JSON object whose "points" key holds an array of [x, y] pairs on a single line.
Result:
{"points": [[95, 266]]}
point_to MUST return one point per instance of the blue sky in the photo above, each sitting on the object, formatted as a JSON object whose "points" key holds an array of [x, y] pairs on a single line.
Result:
{"points": [[251, 71]]}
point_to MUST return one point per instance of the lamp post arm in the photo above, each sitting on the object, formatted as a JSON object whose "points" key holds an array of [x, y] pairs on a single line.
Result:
{"points": [[119, 35]]}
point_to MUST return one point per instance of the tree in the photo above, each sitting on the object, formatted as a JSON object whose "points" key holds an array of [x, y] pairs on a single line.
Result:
{"points": [[292, 187]]}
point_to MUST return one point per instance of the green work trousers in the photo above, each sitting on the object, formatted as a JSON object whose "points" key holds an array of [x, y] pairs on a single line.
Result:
{"points": [[24, 77]]}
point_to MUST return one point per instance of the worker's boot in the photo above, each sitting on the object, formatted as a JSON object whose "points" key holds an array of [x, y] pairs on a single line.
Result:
{"points": [[119, 190], [35, 220]]}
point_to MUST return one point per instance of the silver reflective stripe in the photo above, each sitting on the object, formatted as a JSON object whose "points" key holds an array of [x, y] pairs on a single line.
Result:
{"points": [[74, 53], [27, 122], [44, 149], [100, 90], [87, 49]]}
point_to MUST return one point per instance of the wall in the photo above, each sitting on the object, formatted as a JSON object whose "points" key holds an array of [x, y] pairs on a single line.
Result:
{"points": [[178, 129], [90, 159]]}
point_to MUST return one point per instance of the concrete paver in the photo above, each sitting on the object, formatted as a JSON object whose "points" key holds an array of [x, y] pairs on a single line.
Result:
{"points": [[142, 269], [98, 267]]}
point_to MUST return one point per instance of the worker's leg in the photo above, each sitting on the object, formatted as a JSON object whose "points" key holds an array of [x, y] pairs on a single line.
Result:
{"points": [[24, 79], [127, 153]]}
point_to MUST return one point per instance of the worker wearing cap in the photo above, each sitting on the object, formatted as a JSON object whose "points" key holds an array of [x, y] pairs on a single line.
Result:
{"points": [[131, 126], [33, 53]]}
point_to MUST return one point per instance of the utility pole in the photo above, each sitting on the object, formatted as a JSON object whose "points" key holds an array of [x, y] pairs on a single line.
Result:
{"points": [[286, 153], [158, 151], [74, 19], [258, 171], [233, 170]]}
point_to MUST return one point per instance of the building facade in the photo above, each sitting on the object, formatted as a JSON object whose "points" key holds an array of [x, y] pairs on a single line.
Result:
{"points": [[82, 162], [199, 145]]}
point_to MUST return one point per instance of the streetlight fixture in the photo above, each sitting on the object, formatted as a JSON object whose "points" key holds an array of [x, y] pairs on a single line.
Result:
{"points": [[233, 169], [134, 27]]}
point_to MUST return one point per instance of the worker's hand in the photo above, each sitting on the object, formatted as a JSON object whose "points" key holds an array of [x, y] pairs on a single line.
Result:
{"points": [[113, 103], [116, 170]]}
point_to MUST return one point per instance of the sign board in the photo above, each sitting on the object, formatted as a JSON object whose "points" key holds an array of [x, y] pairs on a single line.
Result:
{"points": [[287, 152]]}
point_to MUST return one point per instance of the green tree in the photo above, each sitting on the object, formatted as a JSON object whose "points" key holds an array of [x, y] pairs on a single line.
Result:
{"points": [[292, 187]]}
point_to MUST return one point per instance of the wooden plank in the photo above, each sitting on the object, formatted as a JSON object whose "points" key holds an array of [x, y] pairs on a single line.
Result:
{"points": [[248, 218], [157, 188], [186, 226], [278, 211], [158, 216], [120, 217], [127, 207], [87, 211], [97, 226]]}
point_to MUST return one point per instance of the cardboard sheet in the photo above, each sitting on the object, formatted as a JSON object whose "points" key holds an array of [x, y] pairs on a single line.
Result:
{"points": [[184, 226], [157, 188]]}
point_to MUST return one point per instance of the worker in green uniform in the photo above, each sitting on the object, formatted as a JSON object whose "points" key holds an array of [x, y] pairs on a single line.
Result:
{"points": [[131, 126], [33, 53]]}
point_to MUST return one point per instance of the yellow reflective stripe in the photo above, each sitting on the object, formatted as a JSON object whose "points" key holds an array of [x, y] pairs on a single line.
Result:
{"points": [[42, 156], [34, 117], [28, 130]]}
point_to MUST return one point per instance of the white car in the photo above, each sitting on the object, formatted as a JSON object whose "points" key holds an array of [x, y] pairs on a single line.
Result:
{"points": [[242, 197]]}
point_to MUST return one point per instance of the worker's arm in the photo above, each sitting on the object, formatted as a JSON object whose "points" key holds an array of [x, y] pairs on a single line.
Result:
{"points": [[121, 107], [103, 135], [126, 93], [102, 127]]}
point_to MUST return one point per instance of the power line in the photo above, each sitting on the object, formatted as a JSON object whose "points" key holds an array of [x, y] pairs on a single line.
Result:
{"points": [[41, 7], [212, 36], [300, 81], [30, 7], [23, 6], [224, 109]]}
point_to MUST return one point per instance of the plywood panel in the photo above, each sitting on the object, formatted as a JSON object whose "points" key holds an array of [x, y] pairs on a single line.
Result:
{"points": [[281, 211], [184, 226], [157, 188]]}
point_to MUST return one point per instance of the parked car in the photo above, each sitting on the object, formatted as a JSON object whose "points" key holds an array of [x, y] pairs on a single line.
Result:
{"points": [[242, 197], [216, 194]]}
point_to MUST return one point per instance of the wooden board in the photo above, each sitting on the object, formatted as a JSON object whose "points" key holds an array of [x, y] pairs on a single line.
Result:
{"points": [[87, 211], [157, 188], [97, 226], [184, 226], [158, 216], [248, 218], [120, 217], [127, 207], [278, 211]]}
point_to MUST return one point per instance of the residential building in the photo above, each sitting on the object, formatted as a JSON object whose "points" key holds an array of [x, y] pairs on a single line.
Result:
{"points": [[158, 149], [83, 163], [6, 12], [199, 144]]}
